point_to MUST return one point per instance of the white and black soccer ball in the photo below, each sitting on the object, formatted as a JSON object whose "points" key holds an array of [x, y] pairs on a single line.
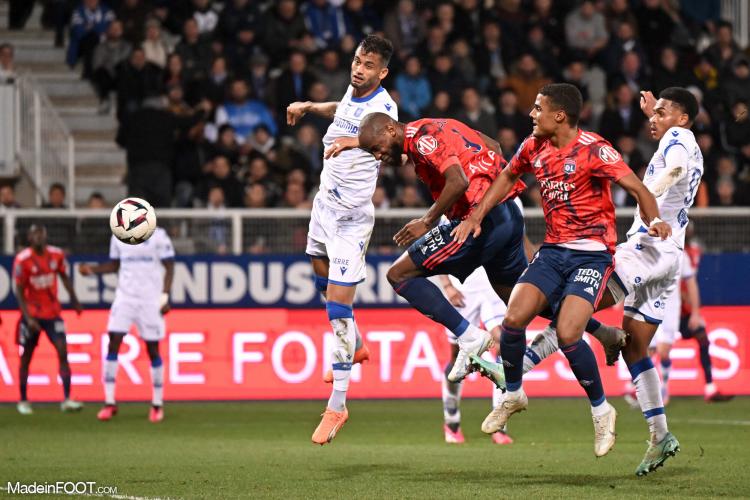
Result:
{"points": [[133, 221]]}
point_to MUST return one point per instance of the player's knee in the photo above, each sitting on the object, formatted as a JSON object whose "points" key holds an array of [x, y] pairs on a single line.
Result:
{"points": [[394, 276], [514, 319]]}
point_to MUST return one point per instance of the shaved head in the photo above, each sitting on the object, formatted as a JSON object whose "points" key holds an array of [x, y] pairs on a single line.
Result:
{"points": [[383, 137]]}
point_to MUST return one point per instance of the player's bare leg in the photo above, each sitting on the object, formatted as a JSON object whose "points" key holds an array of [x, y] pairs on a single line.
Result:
{"points": [[156, 414], [574, 313], [662, 444], [109, 409], [320, 271], [526, 301], [339, 307], [61, 346], [24, 407], [410, 282]]}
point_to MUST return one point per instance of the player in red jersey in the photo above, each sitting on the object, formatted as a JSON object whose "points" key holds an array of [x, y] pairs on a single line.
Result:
{"points": [[458, 164], [569, 272], [35, 270]]}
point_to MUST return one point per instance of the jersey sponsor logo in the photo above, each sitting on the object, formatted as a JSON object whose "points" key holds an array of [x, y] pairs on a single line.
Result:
{"points": [[608, 154], [682, 218], [556, 190], [346, 125], [473, 146], [388, 106], [588, 277], [589, 290], [343, 270], [42, 281], [675, 133], [569, 166], [426, 145], [432, 241]]}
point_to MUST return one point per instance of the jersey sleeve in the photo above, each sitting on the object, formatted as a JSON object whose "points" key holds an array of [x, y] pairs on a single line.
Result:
{"points": [[675, 152], [20, 275], [165, 247], [607, 163], [521, 161], [114, 249]]}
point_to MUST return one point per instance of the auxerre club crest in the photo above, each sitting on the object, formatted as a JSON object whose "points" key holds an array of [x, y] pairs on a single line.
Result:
{"points": [[426, 145]]}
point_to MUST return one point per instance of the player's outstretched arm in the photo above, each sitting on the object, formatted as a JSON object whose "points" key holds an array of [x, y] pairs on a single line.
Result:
{"points": [[107, 267], [455, 186], [168, 277], [71, 291], [647, 203], [499, 189], [297, 110], [648, 101]]}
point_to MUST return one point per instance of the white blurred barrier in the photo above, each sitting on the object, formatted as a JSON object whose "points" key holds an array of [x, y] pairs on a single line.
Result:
{"points": [[737, 12]]}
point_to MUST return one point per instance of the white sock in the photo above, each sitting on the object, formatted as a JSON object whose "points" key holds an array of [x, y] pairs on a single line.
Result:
{"points": [[648, 392], [345, 338], [601, 409], [110, 374], [710, 388], [157, 383], [451, 401], [543, 346]]}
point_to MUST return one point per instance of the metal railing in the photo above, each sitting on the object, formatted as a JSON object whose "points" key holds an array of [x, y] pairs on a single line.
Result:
{"points": [[44, 144], [284, 231]]}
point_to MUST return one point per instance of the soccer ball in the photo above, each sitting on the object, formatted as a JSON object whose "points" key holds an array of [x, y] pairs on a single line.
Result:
{"points": [[133, 221]]}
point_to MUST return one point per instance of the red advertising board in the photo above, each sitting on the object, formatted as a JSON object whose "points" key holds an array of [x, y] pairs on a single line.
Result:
{"points": [[282, 354]]}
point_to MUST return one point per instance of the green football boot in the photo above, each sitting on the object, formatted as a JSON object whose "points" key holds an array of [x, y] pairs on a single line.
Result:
{"points": [[489, 369], [657, 454]]}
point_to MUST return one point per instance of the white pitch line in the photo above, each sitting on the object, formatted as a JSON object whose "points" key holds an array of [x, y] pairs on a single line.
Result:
{"points": [[710, 421]]}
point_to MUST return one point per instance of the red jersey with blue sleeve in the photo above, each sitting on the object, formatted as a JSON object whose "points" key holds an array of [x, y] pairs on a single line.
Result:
{"points": [[433, 145], [574, 184], [38, 276]]}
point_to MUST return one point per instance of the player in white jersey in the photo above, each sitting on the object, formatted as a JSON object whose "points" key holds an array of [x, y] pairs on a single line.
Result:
{"points": [[145, 274], [343, 214]]}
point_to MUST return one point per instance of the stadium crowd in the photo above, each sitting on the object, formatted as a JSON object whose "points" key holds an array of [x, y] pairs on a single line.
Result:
{"points": [[201, 86]]}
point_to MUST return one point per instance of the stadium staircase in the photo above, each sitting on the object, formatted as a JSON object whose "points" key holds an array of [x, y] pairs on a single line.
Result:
{"points": [[100, 163]]}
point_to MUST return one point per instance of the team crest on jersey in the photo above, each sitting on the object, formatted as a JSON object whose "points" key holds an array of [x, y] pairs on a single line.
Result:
{"points": [[358, 112], [426, 145], [675, 133], [650, 169], [53, 265], [608, 154], [537, 163], [569, 166]]}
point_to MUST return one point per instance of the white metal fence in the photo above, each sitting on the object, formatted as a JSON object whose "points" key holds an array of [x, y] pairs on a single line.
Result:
{"points": [[738, 13], [44, 144], [284, 231]]}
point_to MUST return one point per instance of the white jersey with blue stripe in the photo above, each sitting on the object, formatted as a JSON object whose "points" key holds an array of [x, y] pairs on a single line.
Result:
{"points": [[677, 147], [141, 274], [348, 180]]}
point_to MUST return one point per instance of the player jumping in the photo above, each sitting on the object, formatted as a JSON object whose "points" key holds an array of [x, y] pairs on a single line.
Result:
{"points": [[36, 269], [570, 271], [141, 299], [343, 214]]}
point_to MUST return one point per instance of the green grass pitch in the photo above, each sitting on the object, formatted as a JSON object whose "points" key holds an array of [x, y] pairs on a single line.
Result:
{"points": [[388, 449]]}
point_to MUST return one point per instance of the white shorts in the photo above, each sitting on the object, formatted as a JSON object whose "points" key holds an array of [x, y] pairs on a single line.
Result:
{"points": [[669, 330], [342, 235], [650, 272], [481, 308], [146, 317]]}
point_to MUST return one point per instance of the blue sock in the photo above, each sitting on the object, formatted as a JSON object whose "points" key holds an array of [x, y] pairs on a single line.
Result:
{"points": [[583, 363], [703, 346], [426, 298], [512, 349], [593, 325]]}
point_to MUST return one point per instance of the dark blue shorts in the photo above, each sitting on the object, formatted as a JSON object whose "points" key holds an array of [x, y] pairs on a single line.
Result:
{"points": [[499, 248], [54, 328], [559, 272]]}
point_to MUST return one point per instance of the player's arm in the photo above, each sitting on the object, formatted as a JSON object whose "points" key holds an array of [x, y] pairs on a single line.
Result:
{"points": [[71, 291], [111, 266], [455, 186], [648, 101], [499, 189], [31, 323], [646, 201], [341, 144], [694, 299], [454, 295], [676, 159], [297, 110], [168, 277], [491, 143]]}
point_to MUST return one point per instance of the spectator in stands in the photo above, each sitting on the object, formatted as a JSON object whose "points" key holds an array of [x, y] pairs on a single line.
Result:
{"points": [[136, 81], [194, 51], [404, 28], [409, 197], [723, 52], [325, 22], [284, 30], [625, 40], [330, 72], [585, 31], [736, 87], [513, 20], [576, 73], [132, 14], [669, 72], [219, 228], [443, 76], [509, 116], [526, 79], [88, 25], [492, 56], [18, 13], [508, 142], [360, 19], [463, 59], [154, 46], [655, 26], [293, 84], [8, 198], [243, 47], [632, 72], [213, 88], [623, 115], [441, 106], [237, 16], [380, 199], [258, 77], [414, 89], [626, 145], [256, 196], [243, 113], [295, 196], [310, 146], [473, 115], [205, 16], [7, 63], [262, 141], [108, 55], [221, 175], [55, 196], [96, 201], [433, 45]]}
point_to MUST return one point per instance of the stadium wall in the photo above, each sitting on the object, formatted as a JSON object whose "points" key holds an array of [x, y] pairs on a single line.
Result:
{"points": [[280, 353]]}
